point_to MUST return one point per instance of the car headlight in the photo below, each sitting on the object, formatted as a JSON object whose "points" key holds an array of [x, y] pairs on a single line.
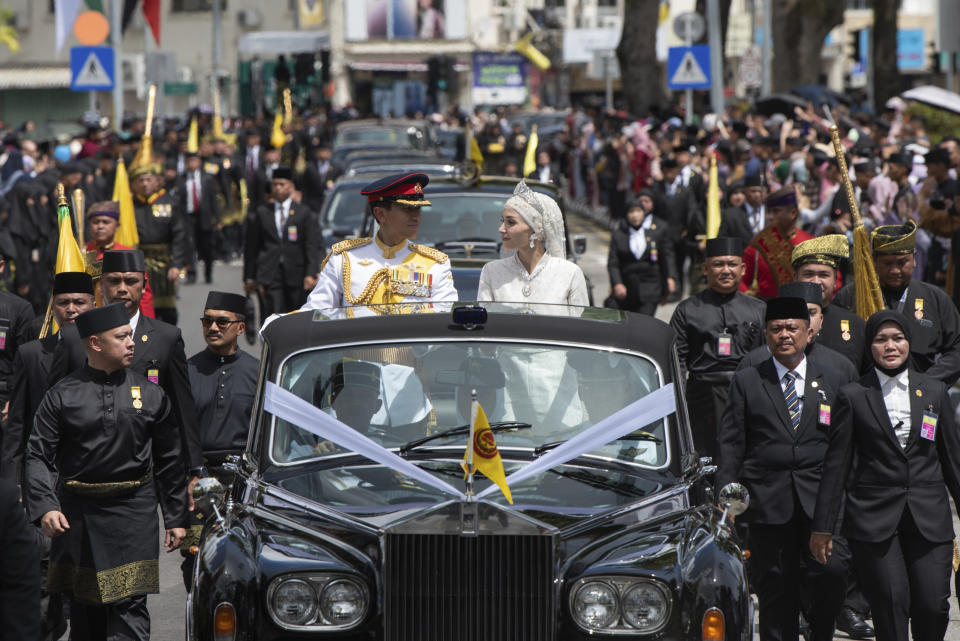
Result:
{"points": [[294, 602], [620, 605], [317, 602], [595, 605], [645, 606], [342, 602]]}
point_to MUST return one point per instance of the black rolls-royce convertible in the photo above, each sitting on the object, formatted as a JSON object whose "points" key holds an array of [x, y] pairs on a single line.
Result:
{"points": [[348, 515]]}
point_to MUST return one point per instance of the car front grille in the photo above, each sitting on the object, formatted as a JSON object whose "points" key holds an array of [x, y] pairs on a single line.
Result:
{"points": [[481, 588]]}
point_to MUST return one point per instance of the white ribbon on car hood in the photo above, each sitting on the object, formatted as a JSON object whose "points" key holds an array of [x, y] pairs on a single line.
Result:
{"points": [[649, 409], [295, 410]]}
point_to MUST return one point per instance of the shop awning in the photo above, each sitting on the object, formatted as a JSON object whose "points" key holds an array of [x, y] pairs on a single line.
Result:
{"points": [[34, 76], [397, 65], [277, 42]]}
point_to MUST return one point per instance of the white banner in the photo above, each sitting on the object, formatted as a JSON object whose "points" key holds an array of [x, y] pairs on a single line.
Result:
{"points": [[649, 409], [295, 410]]}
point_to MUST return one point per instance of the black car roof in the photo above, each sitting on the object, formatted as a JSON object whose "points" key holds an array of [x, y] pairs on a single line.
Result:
{"points": [[598, 327], [452, 183]]}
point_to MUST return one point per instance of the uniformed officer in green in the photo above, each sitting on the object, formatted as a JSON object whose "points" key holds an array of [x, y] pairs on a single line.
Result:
{"points": [[164, 240]]}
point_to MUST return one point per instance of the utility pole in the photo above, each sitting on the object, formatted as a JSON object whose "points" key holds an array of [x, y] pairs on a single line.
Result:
{"points": [[116, 34], [767, 48], [716, 56]]}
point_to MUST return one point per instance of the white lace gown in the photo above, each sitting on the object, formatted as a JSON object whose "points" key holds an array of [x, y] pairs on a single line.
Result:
{"points": [[542, 387], [554, 280]]}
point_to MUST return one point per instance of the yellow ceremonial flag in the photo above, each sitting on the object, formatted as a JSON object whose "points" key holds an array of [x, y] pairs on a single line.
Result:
{"points": [[534, 55], [69, 256], [530, 158], [127, 231], [277, 137], [311, 13], [474, 152], [664, 11], [482, 453], [713, 200], [193, 136]]}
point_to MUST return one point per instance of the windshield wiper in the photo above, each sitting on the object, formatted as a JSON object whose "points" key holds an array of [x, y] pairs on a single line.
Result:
{"points": [[502, 426], [632, 436]]}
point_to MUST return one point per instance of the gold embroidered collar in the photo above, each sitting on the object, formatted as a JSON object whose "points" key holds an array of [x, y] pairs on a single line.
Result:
{"points": [[389, 252]]}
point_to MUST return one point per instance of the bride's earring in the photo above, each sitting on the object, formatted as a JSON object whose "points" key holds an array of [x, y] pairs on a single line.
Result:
{"points": [[533, 237]]}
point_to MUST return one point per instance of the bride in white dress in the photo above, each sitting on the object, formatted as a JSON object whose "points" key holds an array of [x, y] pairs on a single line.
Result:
{"points": [[534, 268]]}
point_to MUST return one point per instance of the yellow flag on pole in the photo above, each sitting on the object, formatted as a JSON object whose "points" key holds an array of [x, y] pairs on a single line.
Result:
{"points": [[530, 157], [277, 137], [713, 200], [482, 453], [127, 231], [474, 152], [193, 136], [69, 256]]}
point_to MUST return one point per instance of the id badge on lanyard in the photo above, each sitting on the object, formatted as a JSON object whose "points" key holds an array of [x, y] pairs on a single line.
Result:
{"points": [[724, 343]]}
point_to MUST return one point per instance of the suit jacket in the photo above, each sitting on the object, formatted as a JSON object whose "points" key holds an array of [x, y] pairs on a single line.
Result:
{"points": [[259, 187], [735, 223], [680, 211], [758, 447], [20, 579], [887, 478], [209, 214], [644, 278], [32, 363], [314, 185], [829, 360], [274, 261]]}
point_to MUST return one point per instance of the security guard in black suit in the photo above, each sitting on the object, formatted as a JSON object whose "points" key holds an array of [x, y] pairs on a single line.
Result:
{"points": [[773, 438], [715, 329], [898, 424], [640, 260], [932, 317], [284, 248], [818, 261]]}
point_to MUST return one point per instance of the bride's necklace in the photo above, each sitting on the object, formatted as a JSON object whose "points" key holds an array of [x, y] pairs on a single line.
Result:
{"points": [[528, 277]]}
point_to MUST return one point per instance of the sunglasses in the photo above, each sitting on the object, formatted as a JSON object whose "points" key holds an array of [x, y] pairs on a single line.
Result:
{"points": [[206, 321]]}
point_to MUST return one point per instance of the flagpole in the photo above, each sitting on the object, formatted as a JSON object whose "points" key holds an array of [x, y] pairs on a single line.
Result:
{"points": [[473, 423]]}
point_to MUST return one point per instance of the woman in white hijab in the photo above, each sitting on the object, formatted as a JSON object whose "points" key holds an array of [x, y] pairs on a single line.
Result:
{"points": [[534, 268]]}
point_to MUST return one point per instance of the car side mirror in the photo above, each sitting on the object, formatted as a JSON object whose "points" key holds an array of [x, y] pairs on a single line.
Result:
{"points": [[579, 244], [734, 498], [208, 494]]}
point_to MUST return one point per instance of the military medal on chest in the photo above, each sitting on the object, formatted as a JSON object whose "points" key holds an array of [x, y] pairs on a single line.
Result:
{"points": [[845, 330], [415, 281], [918, 308], [135, 395]]}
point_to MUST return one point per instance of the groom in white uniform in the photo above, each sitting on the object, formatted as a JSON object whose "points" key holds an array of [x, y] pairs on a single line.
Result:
{"points": [[387, 268]]}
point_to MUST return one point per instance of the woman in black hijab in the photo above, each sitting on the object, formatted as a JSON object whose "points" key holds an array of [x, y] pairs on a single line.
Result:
{"points": [[898, 425]]}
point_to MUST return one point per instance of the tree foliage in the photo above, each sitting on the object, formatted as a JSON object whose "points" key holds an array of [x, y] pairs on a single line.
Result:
{"points": [[799, 29], [639, 71]]}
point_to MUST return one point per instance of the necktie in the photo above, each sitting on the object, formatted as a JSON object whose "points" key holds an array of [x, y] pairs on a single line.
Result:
{"points": [[196, 194], [282, 216], [790, 395]]}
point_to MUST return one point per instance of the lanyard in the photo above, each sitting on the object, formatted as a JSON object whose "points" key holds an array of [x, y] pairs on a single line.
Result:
{"points": [[903, 299]]}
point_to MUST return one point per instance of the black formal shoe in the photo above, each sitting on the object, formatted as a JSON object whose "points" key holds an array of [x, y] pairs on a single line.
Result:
{"points": [[853, 623]]}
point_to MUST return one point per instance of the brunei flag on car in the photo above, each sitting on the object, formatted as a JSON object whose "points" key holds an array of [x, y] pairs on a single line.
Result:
{"points": [[482, 453]]}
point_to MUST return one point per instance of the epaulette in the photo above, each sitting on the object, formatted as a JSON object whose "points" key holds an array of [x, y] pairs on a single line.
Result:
{"points": [[345, 245], [429, 252]]}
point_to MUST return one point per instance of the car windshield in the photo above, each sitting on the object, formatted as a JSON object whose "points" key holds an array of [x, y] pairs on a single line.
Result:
{"points": [[397, 393], [375, 136], [346, 208], [457, 217]]}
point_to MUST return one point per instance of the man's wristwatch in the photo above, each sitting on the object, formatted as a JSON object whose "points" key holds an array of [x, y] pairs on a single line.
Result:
{"points": [[200, 471]]}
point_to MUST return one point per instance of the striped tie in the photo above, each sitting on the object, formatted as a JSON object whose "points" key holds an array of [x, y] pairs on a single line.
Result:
{"points": [[790, 395]]}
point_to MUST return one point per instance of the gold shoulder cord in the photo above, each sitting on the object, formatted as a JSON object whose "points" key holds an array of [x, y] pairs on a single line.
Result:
{"points": [[364, 298], [344, 245], [429, 252]]}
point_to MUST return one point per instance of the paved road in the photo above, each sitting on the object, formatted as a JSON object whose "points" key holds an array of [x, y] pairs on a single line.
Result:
{"points": [[167, 608]]}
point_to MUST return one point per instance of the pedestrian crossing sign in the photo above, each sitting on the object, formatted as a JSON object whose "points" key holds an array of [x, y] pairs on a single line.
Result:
{"points": [[91, 68], [688, 67]]}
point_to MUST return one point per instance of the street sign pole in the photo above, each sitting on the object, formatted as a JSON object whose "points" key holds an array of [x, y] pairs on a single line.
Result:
{"points": [[767, 86], [688, 93], [716, 56], [608, 78], [116, 37]]}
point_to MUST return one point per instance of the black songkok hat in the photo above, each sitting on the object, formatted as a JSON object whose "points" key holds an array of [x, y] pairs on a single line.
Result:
{"points": [[937, 155], [282, 173], [101, 319], [784, 307], [72, 283], [358, 373], [753, 180], [810, 292], [902, 158], [226, 301], [123, 260], [724, 246]]}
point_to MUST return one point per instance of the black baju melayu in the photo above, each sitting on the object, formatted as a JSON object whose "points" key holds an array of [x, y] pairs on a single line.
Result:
{"points": [[113, 442], [223, 388], [714, 331], [842, 331]]}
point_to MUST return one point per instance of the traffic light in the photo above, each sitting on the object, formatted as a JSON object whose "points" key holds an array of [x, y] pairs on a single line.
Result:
{"points": [[856, 52]]}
